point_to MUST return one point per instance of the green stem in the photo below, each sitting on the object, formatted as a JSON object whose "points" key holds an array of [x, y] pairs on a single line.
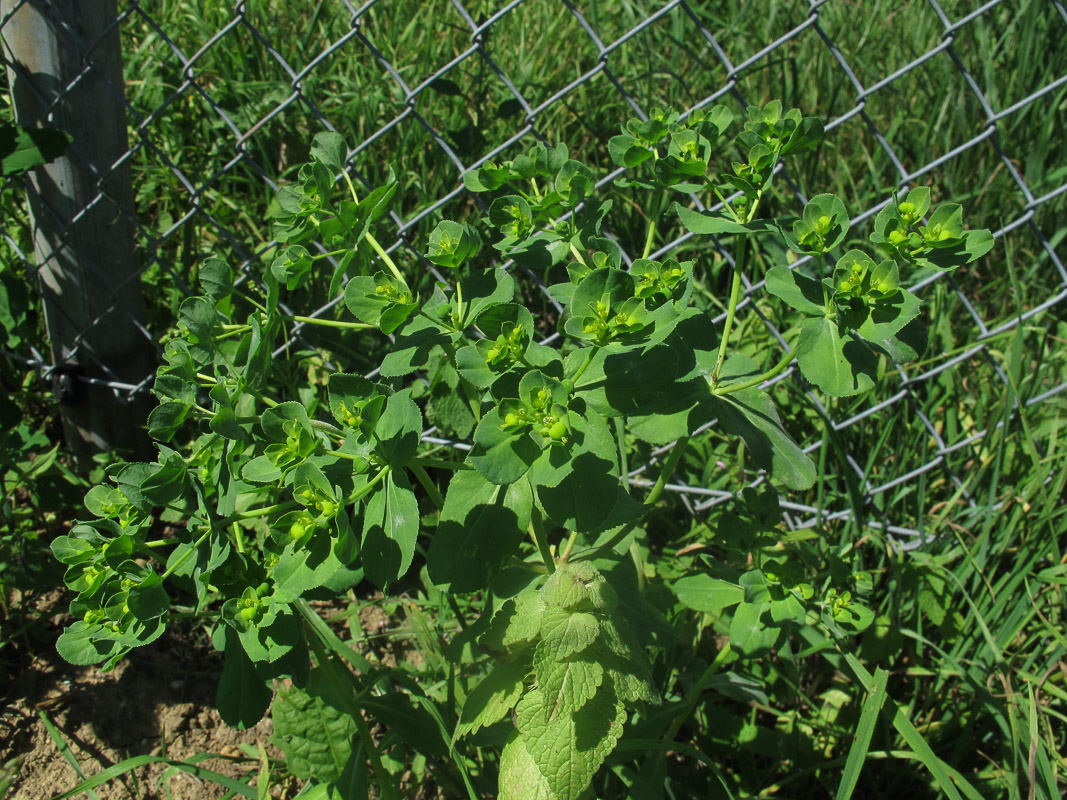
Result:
{"points": [[585, 365], [459, 302], [537, 526], [568, 547], [238, 537], [184, 556], [163, 542], [440, 323], [649, 236], [384, 256], [428, 485], [694, 695], [260, 512], [786, 360], [731, 309], [330, 323], [370, 485], [439, 463], [620, 438]]}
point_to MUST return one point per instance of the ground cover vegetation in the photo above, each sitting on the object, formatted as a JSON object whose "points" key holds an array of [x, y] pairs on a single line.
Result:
{"points": [[574, 630]]}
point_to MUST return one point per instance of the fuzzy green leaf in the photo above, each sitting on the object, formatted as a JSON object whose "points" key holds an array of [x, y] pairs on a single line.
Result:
{"points": [[565, 633], [566, 685], [568, 748], [315, 737], [494, 696]]}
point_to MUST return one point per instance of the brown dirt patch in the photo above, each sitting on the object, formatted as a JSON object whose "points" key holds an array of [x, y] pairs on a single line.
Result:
{"points": [[158, 702]]}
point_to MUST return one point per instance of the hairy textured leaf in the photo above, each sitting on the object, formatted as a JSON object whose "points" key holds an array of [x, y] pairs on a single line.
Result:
{"points": [[570, 748], [520, 778], [315, 737], [494, 696], [566, 685], [564, 632]]}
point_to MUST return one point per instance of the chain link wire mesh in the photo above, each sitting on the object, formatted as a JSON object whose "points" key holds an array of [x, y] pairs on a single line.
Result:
{"points": [[223, 99]]}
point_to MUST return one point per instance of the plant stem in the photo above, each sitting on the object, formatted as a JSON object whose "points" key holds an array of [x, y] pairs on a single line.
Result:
{"points": [[370, 486], [649, 236], [694, 695], [731, 309], [585, 364], [384, 256], [668, 470], [428, 485], [538, 528], [185, 555], [568, 547], [330, 323], [786, 360], [439, 463]]}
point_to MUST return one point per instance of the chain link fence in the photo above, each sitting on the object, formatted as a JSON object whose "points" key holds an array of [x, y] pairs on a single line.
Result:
{"points": [[246, 91]]}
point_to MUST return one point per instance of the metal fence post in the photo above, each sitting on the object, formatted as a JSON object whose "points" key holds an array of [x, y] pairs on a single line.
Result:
{"points": [[65, 71]]}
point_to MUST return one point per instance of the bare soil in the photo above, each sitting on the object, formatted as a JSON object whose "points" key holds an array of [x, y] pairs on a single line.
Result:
{"points": [[159, 702]]}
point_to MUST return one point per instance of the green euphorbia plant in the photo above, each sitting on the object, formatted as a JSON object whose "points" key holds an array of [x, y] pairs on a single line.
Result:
{"points": [[289, 493]]}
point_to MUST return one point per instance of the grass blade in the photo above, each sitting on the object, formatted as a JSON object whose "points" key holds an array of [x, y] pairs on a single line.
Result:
{"points": [[857, 754]]}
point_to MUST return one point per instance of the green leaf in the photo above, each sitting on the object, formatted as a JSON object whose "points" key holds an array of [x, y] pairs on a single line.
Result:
{"points": [[888, 315], [566, 685], [799, 291], [570, 748], [564, 633], [399, 429], [706, 223], [701, 592], [506, 454], [216, 278], [857, 752], [412, 722], [493, 696], [749, 636], [480, 528], [822, 227], [520, 777], [484, 289], [329, 148], [583, 499], [452, 244], [22, 149], [315, 737], [242, 698], [516, 624], [78, 645], [390, 528], [839, 364], [411, 351], [753, 415]]}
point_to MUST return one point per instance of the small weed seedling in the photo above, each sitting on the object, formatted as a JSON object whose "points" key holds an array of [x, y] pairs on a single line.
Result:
{"points": [[295, 490]]}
